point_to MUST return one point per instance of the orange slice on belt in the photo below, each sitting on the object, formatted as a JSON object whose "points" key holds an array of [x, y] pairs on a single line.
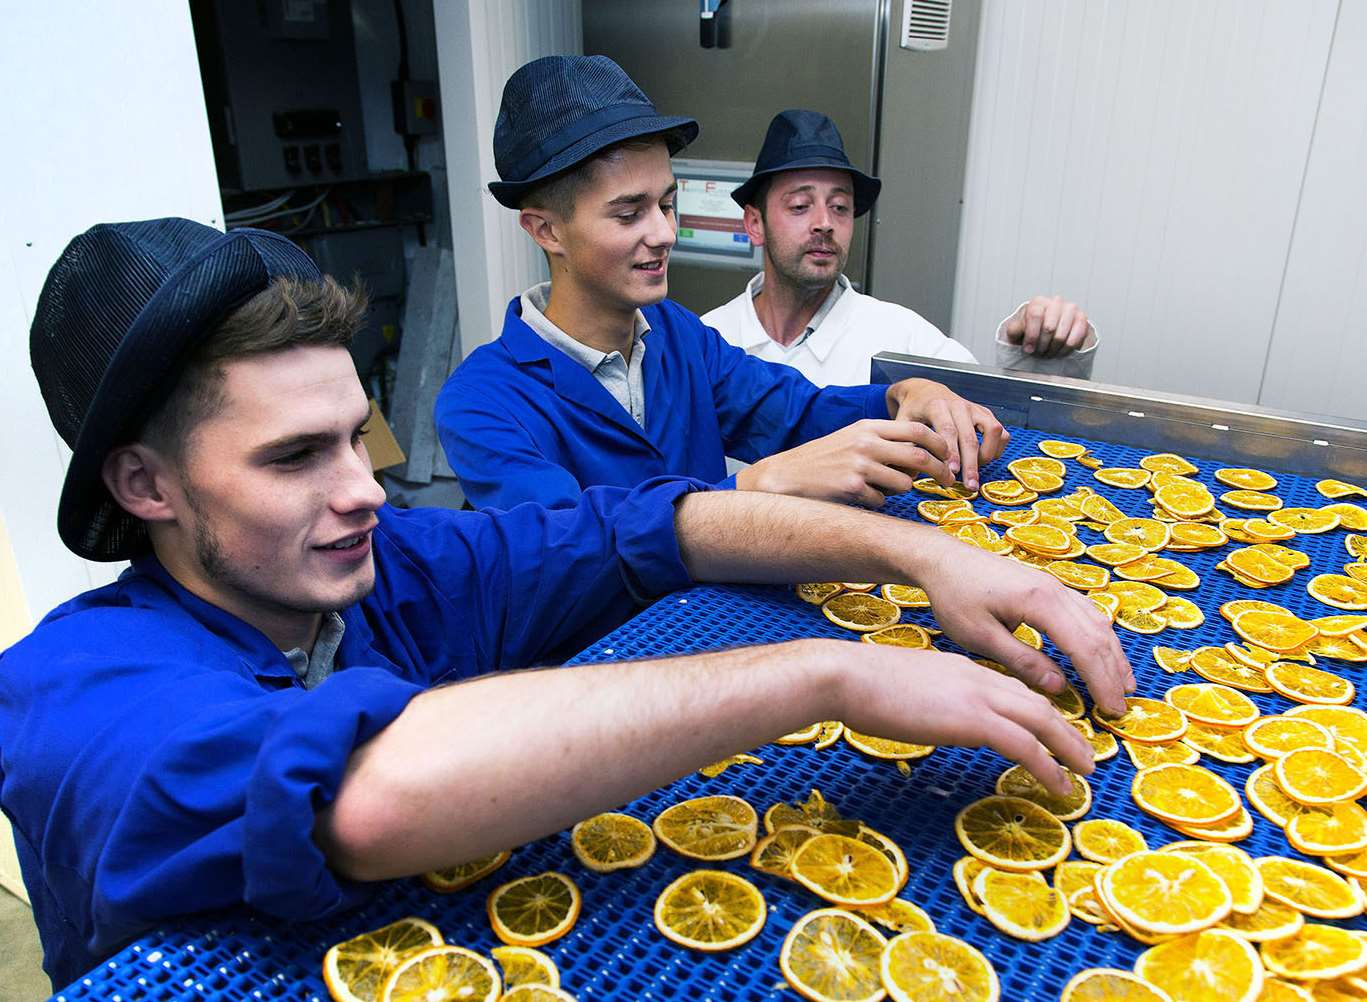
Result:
{"points": [[358, 968], [861, 612], [534, 910], [1233, 866], [844, 870], [1104, 984], [886, 748], [1295, 559], [710, 910], [1273, 737], [1243, 478], [1099, 509], [831, 954], [1329, 831], [1181, 613], [1007, 492], [1309, 685], [1197, 534], [1017, 782], [1147, 533], [1167, 893], [525, 965], [1185, 794], [1082, 577], [1119, 476], [1147, 721], [1351, 516], [1315, 777], [1212, 703], [1011, 833], [1311, 890], [455, 878], [1252, 500], [1340, 591], [1187, 500], [1273, 631], [1061, 450], [1223, 743], [708, 828], [774, 853], [1317, 952], [933, 967], [607, 842], [1104, 840], [905, 596], [1260, 530], [909, 635], [1305, 520], [443, 972], [1259, 566], [1045, 540], [1334, 489], [1168, 462], [1020, 905], [1208, 966], [818, 592]]}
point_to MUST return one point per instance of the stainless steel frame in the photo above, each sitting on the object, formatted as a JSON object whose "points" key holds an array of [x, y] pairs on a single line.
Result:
{"points": [[1233, 434]]}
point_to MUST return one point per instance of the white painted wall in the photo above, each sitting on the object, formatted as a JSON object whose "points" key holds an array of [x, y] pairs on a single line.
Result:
{"points": [[479, 45], [1146, 158], [1318, 353]]}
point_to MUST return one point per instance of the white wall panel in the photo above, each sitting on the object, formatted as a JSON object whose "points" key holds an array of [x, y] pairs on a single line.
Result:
{"points": [[479, 44], [1145, 159], [1318, 355], [103, 119]]}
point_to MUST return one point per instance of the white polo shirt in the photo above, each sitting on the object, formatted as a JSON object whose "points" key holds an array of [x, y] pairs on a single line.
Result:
{"points": [[850, 328]]}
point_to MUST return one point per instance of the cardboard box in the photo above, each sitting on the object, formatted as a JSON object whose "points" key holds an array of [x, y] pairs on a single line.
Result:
{"points": [[380, 441]]}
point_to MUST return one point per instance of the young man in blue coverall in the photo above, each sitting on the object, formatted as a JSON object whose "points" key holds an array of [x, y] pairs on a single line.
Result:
{"points": [[291, 693], [597, 378]]}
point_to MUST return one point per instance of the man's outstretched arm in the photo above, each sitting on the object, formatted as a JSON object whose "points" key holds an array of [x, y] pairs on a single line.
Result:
{"points": [[469, 769]]}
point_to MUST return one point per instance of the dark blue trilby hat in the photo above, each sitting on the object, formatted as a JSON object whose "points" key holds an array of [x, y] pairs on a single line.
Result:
{"points": [[560, 110], [118, 316], [797, 139]]}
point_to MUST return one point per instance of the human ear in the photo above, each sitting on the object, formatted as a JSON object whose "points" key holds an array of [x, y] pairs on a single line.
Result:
{"points": [[138, 478], [754, 225], [543, 227]]}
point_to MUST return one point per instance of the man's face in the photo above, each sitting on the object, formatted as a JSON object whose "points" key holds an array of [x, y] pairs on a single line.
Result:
{"points": [[806, 227], [617, 243], [279, 497]]}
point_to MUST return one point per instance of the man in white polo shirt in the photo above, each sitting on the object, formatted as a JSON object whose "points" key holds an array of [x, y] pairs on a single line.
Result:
{"points": [[800, 206]]}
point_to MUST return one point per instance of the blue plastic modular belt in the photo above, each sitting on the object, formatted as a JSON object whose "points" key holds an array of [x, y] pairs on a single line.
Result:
{"points": [[614, 951]]}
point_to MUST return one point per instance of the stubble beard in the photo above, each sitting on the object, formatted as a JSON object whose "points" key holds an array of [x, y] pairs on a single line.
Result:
{"points": [[790, 268]]}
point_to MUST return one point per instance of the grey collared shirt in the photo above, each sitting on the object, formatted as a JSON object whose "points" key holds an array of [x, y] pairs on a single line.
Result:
{"points": [[313, 668], [841, 284], [623, 378]]}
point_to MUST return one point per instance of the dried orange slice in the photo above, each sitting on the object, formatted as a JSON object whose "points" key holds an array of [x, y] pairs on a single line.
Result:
{"points": [[937, 511], [1181, 613], [886, 748], [1119, 476], [1295, 559], [1018, 782], [1105, 984], [1137, 621], [1245, 479], [1147, 721], [1309, 685], [1082, 577], [1073, 874], [524, 965], [710, 910], [1171, 659], [1272, 920], [1260, 530], [1351, 516], [356, 970], [844, 871], [1233, 829], [1233, 866], [816, 811], [714, 769], [1023, 516], [1207, 966], [1304, 521], [1114, 554], [1185, 794], [774, 852], [1273, 737], [1328, 831], [1007, 492], [831, 955], [1258, 565], [1021, 906], [805, 736], [908, 635], [1197, 535], [829, 733], [1168, 462], [1104, 840], [1351, 648], [1099, 509], [1012, 833], [1250, 500], [708, 828], [1046, 540], [1147, 533], [1274, 631], [965, 871], [905, 596], [1334, 489], [1314, 777], [1353, 864], [899, 915], [1165, 892], [534, 910], [818, 592], [443, 972], [1212, 703], [1223, 743], [1040, 483], [1310, 889], [611, 841], [956, 492], [1216, 664], [535, 993], [1347, 724], [1104, 744], [1185, 500], [859, 611], [933, 967], [1316, 952], [454, 878], [1061, 450], [1269, 798]]}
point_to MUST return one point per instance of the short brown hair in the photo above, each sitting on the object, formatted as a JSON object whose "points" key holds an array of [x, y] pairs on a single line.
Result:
{"points": [[559, 192], [288, 313]]}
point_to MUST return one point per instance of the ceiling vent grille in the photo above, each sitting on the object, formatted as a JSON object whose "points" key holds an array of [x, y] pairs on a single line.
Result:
{"points": [[925, 24]]}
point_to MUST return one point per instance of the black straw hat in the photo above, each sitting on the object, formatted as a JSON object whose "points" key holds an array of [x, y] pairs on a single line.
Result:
{"points": [[117, 318], [560, 110], [798, 139]]}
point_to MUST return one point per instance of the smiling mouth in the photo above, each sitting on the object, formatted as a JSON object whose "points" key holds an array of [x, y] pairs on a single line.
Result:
{"points": [[651, 266], [346, 544]]}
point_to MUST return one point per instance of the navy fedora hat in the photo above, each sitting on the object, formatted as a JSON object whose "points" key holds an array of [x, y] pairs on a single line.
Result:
{"points": [[558, 111], [119, 314], [797, 139]]}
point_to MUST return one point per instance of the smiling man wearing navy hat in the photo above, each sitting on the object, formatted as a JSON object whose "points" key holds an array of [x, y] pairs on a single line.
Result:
{"points": [[256, 713], [597, 378], [800, 206]]}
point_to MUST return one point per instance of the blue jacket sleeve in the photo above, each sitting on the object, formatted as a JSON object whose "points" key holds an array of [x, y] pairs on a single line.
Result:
{"points": [[506, 589], [765, 407], [160, 778], [497, 460]]}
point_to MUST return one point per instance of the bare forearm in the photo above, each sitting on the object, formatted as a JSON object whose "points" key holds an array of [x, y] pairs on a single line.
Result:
{"points": [[771, 538], [471, 769]]}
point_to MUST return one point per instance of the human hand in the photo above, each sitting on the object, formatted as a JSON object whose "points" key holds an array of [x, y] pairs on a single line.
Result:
{"points": [[933, 698], [1047, 326], [958, 421], [980, 598], [861, 463]]}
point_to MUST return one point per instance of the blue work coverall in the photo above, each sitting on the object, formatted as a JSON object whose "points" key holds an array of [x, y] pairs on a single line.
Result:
{"points": [[522, 421], [159, 757]]}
